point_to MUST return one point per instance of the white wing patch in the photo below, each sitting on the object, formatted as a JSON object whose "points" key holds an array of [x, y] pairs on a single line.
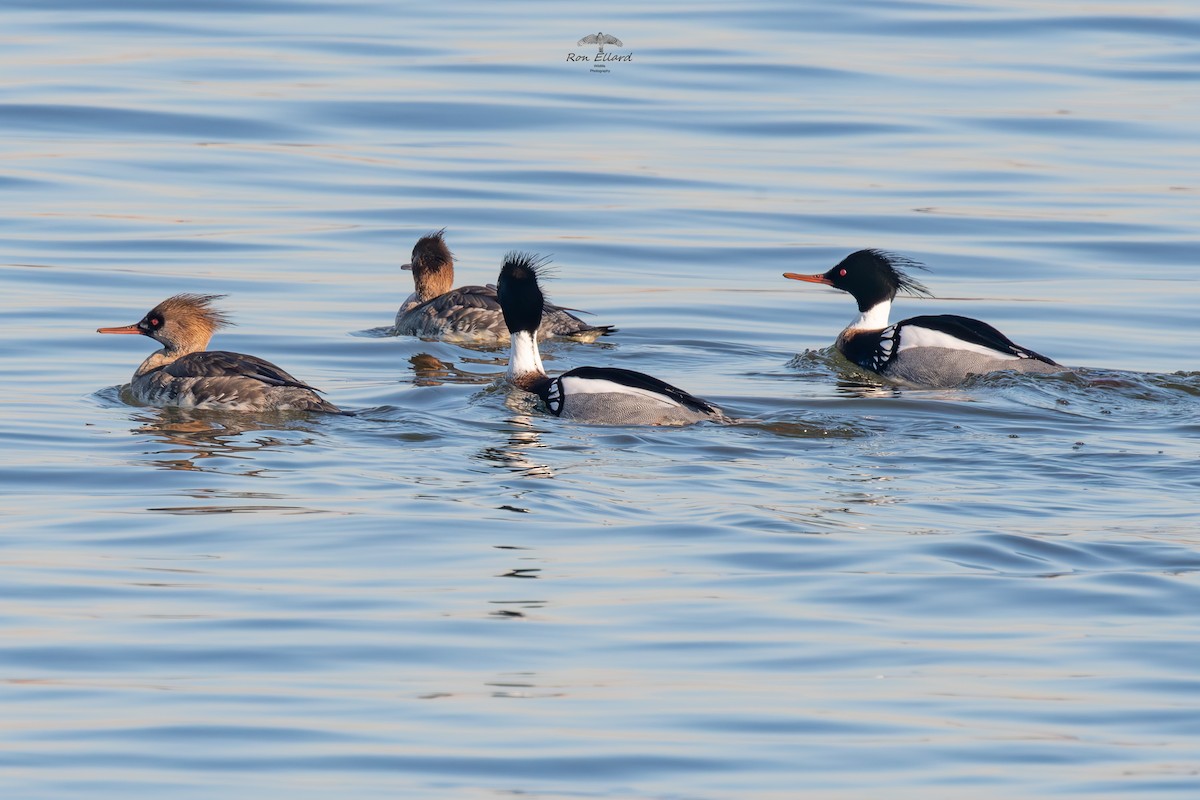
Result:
{"points": [[915, 336], [886, 345], [576, 385], [554, 397]]}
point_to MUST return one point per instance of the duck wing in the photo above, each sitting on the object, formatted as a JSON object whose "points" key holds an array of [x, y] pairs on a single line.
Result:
{"points": [[464, 299], [224, 364], [636, 381], [957, 333]]}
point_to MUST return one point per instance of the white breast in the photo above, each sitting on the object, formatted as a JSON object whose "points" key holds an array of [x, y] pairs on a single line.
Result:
{"points": [[523, 356]]}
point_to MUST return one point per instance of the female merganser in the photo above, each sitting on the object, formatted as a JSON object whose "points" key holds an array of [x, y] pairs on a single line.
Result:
{"points": [[934, 350], [603, 395], [184, 374], [469, 313]]}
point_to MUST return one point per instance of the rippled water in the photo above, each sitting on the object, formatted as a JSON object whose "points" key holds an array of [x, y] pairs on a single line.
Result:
{"points": [[990, 591]]}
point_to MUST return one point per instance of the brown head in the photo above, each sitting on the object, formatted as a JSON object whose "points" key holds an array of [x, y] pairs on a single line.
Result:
{"points": [[181, 324], [432, 266]]}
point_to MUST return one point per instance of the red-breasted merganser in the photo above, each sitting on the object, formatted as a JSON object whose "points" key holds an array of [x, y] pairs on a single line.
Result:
{"points": [[469, 313], [184, 374], [934, 350], [603, 395]]}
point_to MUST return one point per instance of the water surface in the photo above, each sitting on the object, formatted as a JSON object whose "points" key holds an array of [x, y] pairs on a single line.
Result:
{"points": [[857, 591]]}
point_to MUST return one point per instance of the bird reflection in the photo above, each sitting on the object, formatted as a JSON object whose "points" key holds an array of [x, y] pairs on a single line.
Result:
{"points": [[520, 685], [850, 385], [430, 370], [193, 436], [850, 379], [514, 454]]}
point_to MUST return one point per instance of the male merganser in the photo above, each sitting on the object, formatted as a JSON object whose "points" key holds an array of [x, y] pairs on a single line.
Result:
{"points": [[604, 395], [934, 350], [184, 374], [469, 313]]}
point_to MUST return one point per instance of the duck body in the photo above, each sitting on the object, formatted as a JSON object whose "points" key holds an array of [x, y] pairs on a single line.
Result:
{"points": [[938, 350], [595, 395], [184, 374], [931, 350], [469, 313], [472, 314], [615, 396], [220, 380]]}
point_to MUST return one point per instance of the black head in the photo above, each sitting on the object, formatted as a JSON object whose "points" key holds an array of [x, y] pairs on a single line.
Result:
{"points": [[871, 276], [517, 289]]}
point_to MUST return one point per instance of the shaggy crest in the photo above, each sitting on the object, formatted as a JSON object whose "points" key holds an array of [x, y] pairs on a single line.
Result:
{"points": [[195, 307], [432, 266], [523, 266], [521, 299], [432, 245], [898, 265]]}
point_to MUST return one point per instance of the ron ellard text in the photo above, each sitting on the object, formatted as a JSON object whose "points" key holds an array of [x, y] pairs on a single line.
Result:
{"points": [[599, 57]]}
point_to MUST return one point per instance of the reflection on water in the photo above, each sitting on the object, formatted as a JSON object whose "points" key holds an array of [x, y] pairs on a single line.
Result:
{"points": [[515, 453], [192, 437], [240, 508], [430, 370], [989, 590]]}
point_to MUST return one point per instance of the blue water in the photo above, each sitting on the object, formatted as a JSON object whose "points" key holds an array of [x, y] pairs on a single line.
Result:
{"points": [[988, 592]]}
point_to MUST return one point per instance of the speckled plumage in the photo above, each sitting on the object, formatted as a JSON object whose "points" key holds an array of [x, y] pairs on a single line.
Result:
{"points": [[938, 350], [184, 374], [615, 396], [469, 313], [943, 366], [929, 350], [596, 395]]}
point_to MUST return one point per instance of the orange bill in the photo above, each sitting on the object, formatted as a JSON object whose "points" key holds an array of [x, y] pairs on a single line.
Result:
{"points": [[124, 329], [809, 278]]}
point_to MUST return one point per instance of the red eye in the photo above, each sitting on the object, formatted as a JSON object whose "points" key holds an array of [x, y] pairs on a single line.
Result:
{"points": [[842, 272], [155, 322]]}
